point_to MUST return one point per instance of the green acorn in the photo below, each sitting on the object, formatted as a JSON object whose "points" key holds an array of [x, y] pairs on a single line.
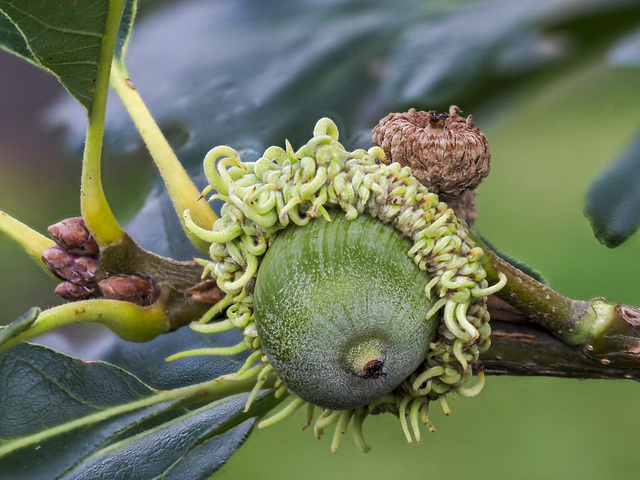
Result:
{"points": [[341, 311]]}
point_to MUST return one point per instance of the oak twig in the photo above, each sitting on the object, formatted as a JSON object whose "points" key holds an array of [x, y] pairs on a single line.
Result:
{"points": [[522, 347]]}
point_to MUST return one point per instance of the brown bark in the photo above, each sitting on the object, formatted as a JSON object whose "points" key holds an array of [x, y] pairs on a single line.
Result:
{"points": [[523, 348]]}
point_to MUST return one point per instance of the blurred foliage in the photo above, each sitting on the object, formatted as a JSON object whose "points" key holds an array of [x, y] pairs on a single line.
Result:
{"points": [[554, 86], [613, 200], [352, 60]]}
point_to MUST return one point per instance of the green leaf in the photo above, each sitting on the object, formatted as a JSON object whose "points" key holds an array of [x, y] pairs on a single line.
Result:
{"points": [[124, 33], [19, 325], [62, 37], [11, 39], [61, 417], [157, 228], [191, 446], [43, 390], [613, 199]]}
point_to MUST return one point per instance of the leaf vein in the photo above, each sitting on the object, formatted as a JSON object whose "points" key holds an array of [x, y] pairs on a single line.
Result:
{"points": [[56, 28]]}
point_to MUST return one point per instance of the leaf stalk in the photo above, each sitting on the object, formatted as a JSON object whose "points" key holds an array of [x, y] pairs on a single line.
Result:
{"points": [[32, 242], [93, 204]]}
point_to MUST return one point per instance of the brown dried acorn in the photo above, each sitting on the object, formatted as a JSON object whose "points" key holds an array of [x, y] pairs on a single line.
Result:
{"points": [[447, 153]]}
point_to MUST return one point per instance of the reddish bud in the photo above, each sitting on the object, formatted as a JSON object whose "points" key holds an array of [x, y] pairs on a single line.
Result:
{"points": [[74, 292], [74, 237], [80, 270], [130, 288], [206, 291]]}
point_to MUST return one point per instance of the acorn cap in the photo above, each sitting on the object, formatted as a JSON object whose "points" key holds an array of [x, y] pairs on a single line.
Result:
{"points": [[446, 152]]}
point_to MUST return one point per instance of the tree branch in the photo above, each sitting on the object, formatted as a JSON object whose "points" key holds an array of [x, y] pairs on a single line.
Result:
{"points": [[521, 347]]}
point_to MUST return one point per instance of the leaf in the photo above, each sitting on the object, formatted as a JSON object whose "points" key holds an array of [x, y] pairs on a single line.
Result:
{"points": [[12, 40], [626, 53], [191, 446], [157, 228], [45, 394], [124, 33], [272, 83], [613, 199], [430, 63], [19, 325], [62, 37], [43, 389]]}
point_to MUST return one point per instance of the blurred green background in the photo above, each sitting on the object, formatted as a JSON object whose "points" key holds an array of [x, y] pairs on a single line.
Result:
{"points": [[552, 129]]}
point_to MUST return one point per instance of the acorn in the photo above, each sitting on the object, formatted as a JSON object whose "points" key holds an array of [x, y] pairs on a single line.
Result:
{"points": [[447, 153], [354, 286], [353, 302]]}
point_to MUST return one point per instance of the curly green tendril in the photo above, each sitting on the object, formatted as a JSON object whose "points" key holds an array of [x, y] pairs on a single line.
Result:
{"points": [[283, 187]]}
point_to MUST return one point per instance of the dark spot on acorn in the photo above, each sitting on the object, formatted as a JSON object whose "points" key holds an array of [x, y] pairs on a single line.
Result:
{"points": [[374, 369]]}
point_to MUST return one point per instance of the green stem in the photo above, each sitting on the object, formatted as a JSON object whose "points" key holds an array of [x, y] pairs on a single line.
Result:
{"points": [[129, 321], [183, 192], [203, 392], [31, 241], [575, 322], [96, 211]]}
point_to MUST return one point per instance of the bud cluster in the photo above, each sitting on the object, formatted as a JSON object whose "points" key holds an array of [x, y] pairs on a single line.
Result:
{"points": [[75, 260]]}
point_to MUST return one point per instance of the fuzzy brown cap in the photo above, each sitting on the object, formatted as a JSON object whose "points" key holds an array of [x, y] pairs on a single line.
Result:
{"points": [[446, 152]]}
